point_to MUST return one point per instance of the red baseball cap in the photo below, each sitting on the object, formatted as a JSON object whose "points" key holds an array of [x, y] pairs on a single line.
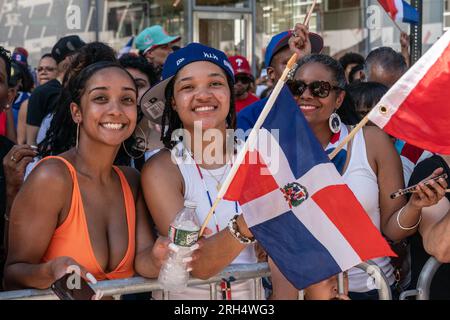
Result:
{"points": [[240, 65]]}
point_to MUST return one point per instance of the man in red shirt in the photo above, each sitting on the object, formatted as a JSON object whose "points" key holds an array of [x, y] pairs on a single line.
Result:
{"points": [[243, 78]]}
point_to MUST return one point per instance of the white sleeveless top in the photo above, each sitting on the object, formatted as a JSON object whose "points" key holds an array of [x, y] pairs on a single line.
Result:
{"points": [[195, 191], [361, 179]]}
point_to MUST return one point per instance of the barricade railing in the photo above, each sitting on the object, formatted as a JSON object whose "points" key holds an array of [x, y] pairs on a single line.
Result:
{"points": [[255, 271], [140, 284], [380, 280], [422, 291]]}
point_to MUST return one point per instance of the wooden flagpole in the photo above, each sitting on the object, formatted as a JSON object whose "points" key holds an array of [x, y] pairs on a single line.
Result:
{"points": [[396, 24], [350, 136], [308, 16], [251, 140], [252, 137]]}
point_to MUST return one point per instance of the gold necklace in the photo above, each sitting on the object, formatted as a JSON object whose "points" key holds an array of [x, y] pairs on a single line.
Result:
{"points": [[218, 181], [185, 150]]}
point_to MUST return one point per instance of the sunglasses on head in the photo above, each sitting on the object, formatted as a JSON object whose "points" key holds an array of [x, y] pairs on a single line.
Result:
{"points": [[319, 89]]}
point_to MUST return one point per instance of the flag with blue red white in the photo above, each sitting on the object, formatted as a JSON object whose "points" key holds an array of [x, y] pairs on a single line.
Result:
{"points": [[400, 10], [416, 109], [297, 206], [126, 48], [341, 157]]}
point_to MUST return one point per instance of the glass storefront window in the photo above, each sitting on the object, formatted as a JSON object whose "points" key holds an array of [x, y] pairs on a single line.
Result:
{"points": [[226, 24], [163, 12], [223, 3], [228, 35], [447, 14]]}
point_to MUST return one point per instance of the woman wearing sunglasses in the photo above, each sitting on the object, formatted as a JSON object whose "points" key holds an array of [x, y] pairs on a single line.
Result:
{"points": [[369, 165]]}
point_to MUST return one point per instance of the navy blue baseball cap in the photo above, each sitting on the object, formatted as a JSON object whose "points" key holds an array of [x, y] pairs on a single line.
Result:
{"points": [[153, 101], [281, 40]]}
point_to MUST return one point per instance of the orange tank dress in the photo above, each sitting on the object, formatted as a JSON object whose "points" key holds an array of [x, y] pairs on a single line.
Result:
{"points": [[71, 238]]}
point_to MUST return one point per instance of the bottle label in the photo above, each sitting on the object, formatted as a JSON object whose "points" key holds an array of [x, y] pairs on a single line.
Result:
{"points": [[184, 238]]}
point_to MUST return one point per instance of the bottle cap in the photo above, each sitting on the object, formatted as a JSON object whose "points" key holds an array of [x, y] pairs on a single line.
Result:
{"points": [[190, 204]]}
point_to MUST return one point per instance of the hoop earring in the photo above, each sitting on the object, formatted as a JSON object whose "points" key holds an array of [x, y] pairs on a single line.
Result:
{"points": [[78, 135], [334, 122], [143, 150]]}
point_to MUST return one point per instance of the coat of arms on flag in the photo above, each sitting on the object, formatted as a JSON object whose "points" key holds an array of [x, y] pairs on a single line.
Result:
{"points": [[302, 213]]}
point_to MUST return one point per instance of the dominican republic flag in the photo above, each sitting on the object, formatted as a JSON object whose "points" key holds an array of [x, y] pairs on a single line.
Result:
{"points": [[410, 156], [340, 159], [400, 10], [297, 205], [417, 107], [127, 48]]}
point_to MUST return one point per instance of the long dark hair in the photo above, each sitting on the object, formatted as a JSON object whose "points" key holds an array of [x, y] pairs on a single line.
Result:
{"points": [[5, 55], [347, 111], [62, 133], [366, 95], [173, 122]]}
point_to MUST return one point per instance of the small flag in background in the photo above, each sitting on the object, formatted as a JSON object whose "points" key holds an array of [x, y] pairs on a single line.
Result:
{"points": [[417, 107], [340, 159], [400, 10], [301, 212], [127, 48]]}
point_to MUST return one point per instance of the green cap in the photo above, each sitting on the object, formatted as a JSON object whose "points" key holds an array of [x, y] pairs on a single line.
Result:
{"points": [[152, 37]]}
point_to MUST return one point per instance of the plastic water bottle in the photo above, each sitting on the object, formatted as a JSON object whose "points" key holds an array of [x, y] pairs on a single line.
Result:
{"points": [[183, 233]]}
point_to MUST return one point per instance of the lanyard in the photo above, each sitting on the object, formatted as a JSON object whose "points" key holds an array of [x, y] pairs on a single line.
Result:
{"points": [[209, 197], [225, 285]]}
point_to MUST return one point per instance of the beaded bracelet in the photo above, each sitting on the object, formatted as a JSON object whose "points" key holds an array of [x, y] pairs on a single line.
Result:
{"points": [[234, 230], [406, 228]]}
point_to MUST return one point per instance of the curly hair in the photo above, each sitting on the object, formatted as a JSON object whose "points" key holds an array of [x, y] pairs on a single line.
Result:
{"points": [[173, 122], [6, 56], [141, 64]]}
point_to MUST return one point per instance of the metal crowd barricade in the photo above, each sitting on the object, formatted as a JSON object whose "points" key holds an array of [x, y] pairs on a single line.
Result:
{"points": [[139, 284], [238, 272], [422, 292], [381, 282]]}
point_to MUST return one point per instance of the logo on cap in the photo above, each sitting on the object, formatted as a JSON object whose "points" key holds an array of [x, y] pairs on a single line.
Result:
{"points": [[210, 56], [154, 107], [148, 39], [180, 61]]}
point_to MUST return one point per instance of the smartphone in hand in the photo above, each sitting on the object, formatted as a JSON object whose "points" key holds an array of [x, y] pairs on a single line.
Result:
{"points": [[413, 188], [73, 287]]}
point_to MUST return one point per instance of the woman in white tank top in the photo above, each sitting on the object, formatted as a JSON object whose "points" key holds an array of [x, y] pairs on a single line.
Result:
{"points": [[372, 171], [197, 82]]}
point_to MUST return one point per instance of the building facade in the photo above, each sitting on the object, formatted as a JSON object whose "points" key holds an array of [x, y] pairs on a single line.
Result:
{"points": [[234, 26]]}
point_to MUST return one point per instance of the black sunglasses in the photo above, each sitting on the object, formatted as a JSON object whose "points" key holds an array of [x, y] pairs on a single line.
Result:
{"points": [[319, 89], [242, 79], [48, 69]]}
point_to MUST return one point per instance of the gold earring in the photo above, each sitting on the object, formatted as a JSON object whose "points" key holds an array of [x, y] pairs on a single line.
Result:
{"points": [[137, 147], [78, 135]]}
